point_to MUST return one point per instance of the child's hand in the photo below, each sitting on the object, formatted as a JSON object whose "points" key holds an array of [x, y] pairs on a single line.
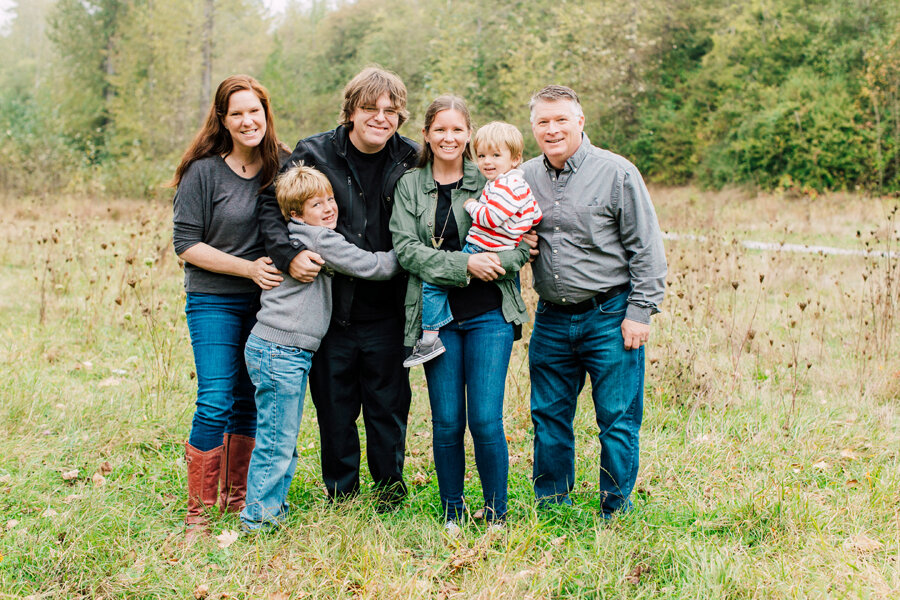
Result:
{"points": [[469, 201]]}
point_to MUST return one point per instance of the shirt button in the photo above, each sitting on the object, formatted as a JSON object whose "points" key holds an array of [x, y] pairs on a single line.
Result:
{"points": [[556, 229], [556, 277], [358, 235], [556, 203], [555, 251], [564, 300]]}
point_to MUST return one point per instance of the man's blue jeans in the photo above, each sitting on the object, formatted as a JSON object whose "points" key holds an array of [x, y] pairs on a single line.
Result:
{"points": [[467, 383], [435, 302], [279, 374], [563, 349], [219, 325]]}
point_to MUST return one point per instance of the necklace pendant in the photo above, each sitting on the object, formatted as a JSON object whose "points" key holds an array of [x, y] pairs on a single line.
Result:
{"points": [[436, 242]]}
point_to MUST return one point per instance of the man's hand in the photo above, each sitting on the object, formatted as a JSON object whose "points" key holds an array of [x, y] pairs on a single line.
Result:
{"points": [[306, 266], [531, 239], [485, 266], [635, 334]]}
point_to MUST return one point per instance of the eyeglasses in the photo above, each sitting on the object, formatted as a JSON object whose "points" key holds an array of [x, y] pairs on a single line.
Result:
{"points": [[389, 113]]}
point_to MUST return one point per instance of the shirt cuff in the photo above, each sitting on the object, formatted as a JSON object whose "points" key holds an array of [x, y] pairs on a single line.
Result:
{"points": [[637, 313]]}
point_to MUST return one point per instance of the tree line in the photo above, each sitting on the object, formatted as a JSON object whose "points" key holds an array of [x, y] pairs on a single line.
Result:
{"points": [[102, 96]]}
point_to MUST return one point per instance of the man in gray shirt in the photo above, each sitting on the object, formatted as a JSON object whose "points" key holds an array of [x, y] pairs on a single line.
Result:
{"points": [[600, 275]]}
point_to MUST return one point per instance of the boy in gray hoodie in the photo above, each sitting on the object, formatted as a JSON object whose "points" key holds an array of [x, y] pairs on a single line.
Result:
{"points": [[290, 325]]}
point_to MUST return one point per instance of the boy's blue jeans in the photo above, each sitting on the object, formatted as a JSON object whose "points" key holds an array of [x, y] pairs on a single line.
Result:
{"points": [[279, 374], [435, 304]]}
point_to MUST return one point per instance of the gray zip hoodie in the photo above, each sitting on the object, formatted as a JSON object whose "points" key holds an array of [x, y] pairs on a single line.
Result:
{"points": [[297, 314]]}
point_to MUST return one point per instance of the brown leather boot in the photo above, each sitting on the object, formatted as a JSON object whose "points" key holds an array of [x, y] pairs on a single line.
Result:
{"points": [[203, 488], [235, 463]]}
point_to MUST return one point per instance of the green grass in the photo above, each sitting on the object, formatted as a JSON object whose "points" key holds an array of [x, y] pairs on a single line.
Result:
{"points": [[769, 461]]}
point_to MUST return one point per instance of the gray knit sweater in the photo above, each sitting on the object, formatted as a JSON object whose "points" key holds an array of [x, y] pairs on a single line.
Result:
{"points": [[297, 314]]}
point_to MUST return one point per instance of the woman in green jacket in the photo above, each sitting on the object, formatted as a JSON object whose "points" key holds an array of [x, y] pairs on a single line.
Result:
{"points": [[467, 382]]}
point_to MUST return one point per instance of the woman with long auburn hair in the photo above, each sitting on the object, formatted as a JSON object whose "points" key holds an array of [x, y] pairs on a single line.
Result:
{"points": [[234, 155]]}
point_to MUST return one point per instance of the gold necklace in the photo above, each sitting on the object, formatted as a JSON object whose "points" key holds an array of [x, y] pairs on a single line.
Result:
{"points": [[436, 240]]}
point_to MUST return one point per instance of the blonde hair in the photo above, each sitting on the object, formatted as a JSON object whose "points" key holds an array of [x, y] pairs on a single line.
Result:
{"points": [[297, 185], [498, 134], [367, 87]]}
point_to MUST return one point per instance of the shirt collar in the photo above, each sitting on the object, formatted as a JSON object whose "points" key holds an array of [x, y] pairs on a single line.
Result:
{"points": [[574, 162], [469, 182]]}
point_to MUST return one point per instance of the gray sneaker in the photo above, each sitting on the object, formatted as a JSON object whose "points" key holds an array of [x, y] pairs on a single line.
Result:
{"points": [[423, 352]]}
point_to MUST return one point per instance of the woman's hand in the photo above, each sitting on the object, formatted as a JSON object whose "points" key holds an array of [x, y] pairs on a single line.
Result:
{"points": [[264, 273], [485, 266]]}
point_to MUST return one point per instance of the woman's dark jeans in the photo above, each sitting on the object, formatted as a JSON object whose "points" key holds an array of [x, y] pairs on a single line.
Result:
{"points": [[219, 325], [467, 384]]}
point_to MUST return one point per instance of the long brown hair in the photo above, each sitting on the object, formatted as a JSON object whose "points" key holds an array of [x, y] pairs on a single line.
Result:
{"points": [[440, 104], [213, 138]]}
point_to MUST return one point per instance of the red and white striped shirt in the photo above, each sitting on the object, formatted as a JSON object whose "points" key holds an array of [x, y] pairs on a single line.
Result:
{"points": [[505, 212]]}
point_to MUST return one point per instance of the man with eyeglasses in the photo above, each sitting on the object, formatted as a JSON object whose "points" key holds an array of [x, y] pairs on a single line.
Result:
{"points": [[359, 365]]}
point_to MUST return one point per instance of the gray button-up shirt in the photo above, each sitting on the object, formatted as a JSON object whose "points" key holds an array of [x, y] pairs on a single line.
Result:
{"points": [[599, 231]]}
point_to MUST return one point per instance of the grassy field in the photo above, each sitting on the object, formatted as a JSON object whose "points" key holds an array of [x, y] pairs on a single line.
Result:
{"points": [[769, 449]]}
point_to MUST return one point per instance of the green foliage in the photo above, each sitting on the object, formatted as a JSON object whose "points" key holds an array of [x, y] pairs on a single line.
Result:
{"points": [[799, 94]]}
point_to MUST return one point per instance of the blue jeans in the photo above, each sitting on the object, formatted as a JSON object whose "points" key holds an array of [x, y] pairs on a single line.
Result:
{"points": [[435, 303], [467, 383], [219, 325], [279, 374], [563, 349]]}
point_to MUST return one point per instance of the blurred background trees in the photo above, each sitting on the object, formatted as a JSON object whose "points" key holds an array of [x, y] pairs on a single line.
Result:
{"points": [[103, 95]]}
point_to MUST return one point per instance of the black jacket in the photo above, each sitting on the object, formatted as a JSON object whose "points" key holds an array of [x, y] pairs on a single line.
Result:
{"points": [[327, 151]]}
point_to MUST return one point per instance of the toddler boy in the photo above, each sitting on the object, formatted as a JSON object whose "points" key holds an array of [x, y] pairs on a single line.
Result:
{"points": [[505, 211], [290, 325]]}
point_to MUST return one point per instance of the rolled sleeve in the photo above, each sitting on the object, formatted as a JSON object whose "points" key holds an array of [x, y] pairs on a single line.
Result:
{"points": [[191, 211], [642, 240]]}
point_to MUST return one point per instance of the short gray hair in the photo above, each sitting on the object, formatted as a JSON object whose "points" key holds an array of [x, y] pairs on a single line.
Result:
{"points": [[554, 93]]}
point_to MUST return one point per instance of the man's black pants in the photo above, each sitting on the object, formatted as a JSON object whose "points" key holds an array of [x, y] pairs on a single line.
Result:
{"points": [[360, 366]]}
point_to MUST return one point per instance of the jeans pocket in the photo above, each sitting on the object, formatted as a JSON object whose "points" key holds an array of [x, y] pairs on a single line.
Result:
{"points": [[541, 307], [615, 305]]}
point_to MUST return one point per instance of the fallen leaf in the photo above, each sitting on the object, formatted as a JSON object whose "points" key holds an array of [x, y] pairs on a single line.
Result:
{"points": [[98, 479], [848, 454], [11, 523], [852, 483], [420, 478], [863, 544], [109, 382], [634, 577], [106, 468], [71, 498], [5, 478], [202, 591], [50, 513], [70, 475], [227, 538], [558, 541], [821, 465], [279, 595]]}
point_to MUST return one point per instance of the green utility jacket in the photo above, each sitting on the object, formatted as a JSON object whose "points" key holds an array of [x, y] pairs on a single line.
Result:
{"points": [[412, 225]]}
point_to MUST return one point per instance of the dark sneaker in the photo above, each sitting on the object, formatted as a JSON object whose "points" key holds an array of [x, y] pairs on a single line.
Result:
{"points": [[423, 352]]}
